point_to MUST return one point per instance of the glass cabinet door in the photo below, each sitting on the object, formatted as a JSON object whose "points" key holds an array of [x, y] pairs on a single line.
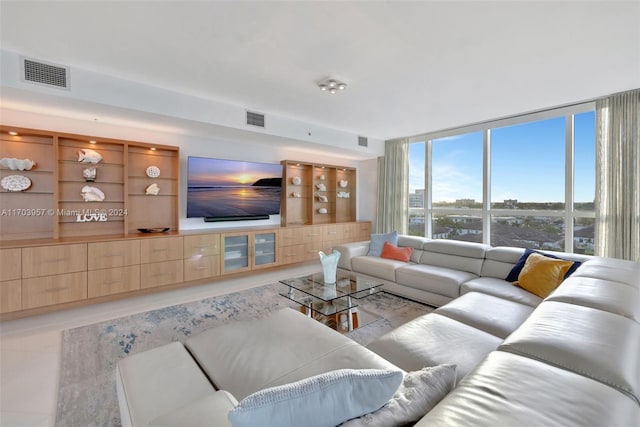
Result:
{"points": [[264, 248], [236, 252]]}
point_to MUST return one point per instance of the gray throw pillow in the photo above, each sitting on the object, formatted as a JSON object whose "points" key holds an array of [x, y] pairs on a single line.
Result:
{"points": [[319, 401], [419, 393], [377, 242]]}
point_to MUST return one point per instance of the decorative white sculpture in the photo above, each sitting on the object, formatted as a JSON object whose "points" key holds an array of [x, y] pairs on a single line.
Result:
{"points": [[343, 183], [17, 164], [153, 171], [15, 183], [322, 210], [92, 194], [329, 266], [343, 195], [89, 174], [87, 155], [296, 180], [152, 190], [322, 198], [321, 187], [296, 194]]}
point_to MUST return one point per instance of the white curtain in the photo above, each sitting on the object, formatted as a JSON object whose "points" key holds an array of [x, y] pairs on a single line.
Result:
{"points": [[393, 186], [617, 230]]}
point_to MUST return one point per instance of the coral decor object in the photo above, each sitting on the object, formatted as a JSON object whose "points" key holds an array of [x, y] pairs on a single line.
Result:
{"points": [[321, 187], [15, 183], [17, 164], [152, 190], [92, 194], [343, 183], [89, 174], [343, 194], [296, 180], [322, 198], [87, 155]]}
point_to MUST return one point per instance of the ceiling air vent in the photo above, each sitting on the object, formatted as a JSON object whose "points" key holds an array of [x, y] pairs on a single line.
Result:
{"points": [[45, 74], [255, 119], [363, 141]]}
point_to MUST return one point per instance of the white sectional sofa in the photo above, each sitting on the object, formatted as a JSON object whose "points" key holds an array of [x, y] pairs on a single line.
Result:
{"points": [[568, 360]]}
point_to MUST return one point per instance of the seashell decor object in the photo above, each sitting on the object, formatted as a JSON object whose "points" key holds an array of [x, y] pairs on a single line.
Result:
{"points": [[87, 155], [152, 190], [321, 187], [343, 183], [15, 183], [17, 164], [92, 194], [153, 171], [296, 180]]}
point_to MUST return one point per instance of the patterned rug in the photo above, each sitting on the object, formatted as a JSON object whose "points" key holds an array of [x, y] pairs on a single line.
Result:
{"points": [[87, 389]]}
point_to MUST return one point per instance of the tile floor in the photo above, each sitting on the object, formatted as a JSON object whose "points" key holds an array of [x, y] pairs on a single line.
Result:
{"points": [[30, 348]]}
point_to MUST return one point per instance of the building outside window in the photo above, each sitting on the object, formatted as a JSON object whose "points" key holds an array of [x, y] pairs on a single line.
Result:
{"points": [[525, 182]]}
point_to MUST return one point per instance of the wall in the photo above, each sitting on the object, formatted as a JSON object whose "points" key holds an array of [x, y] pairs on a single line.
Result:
{"points": [[220, 143]]}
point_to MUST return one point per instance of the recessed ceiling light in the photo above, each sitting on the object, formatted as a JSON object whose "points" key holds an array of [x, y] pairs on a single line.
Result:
{"points": [[92, 142], [152, 148], [331, 85], [13, 133]]}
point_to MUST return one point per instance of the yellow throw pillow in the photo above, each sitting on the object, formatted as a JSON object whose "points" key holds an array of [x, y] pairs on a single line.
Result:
{"points": [[541, 275]]}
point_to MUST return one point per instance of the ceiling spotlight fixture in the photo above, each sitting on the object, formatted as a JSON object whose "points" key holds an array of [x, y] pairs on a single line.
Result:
{"points": [[331, 85]]}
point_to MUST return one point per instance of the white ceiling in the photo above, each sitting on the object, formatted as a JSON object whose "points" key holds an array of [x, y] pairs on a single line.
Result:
{"points": [[411, 67]]}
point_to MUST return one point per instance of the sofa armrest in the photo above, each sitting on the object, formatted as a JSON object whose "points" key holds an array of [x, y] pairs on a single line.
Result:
{"points": [[350, 250]]}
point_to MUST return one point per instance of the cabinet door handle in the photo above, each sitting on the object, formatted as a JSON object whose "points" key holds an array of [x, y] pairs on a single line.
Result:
{"points": [[112, 282], [64, 288], [160, 250], [113, 255], [159, 274], [57, 259]]}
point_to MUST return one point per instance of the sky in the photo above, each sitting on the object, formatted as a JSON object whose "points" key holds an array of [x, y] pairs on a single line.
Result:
{"points": [[218, 172], [527, 163]]}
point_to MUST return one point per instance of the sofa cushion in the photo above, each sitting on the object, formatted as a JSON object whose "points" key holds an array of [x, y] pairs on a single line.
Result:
{"points": [[510, 390], [500, 288], [488, 313], [282, 347], [157, 382], [377, 267], [419, 392], [414, 242], [391, 251], [377, 241], [431, 340], [618, 270], [614, 297], [322, 400], [454, 254], [439, 280], [499, 261], [541, 275], [211, 409], [594, 343], [520, 264]]}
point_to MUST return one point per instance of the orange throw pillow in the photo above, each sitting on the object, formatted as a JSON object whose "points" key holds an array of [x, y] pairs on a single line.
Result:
{"points": [[391, 251]]}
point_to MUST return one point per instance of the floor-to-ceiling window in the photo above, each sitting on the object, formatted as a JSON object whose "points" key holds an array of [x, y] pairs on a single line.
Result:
{"points": [[527, 182]]}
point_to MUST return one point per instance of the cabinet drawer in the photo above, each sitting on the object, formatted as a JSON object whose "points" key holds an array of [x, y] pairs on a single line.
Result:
{"points": [[364, 231], [291, 236], [116, 280], [291, 254], [113, 254], [201, 267], [10, 264], [10, 296], [204, 245], [160, 249], [348, 232], [331, 232], [312, 234], [56, 259], [49, 290], [311, 251], [160, 274]]}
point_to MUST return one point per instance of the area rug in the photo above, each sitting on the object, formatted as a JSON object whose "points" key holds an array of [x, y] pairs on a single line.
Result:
{"points": [[87, 389]]}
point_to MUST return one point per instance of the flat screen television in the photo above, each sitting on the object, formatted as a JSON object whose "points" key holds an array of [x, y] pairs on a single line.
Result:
{"points": [[231, 190]]}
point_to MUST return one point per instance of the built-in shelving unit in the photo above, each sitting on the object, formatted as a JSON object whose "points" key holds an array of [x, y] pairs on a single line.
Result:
{"points": [[317, 194], [53, 207]]}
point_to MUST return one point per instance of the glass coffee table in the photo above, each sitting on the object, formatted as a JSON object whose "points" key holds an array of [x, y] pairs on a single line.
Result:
{"points": [[336, 305]]}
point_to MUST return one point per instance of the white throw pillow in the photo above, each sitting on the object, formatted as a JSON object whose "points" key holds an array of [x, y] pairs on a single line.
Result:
{"points": [[419, 393], [323, 400]]}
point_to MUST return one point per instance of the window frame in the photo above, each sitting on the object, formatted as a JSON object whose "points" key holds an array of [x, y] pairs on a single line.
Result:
{"points": [[569, 214]]}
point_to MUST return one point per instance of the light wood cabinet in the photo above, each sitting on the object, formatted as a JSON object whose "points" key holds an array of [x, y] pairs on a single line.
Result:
{"points": [[317, 194], [113, 254], [10, 295], [244, 251], [201, 256], [10, 264], [161, 249], [158, 274], [110, 281], [54, 259], [51, 290]]}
